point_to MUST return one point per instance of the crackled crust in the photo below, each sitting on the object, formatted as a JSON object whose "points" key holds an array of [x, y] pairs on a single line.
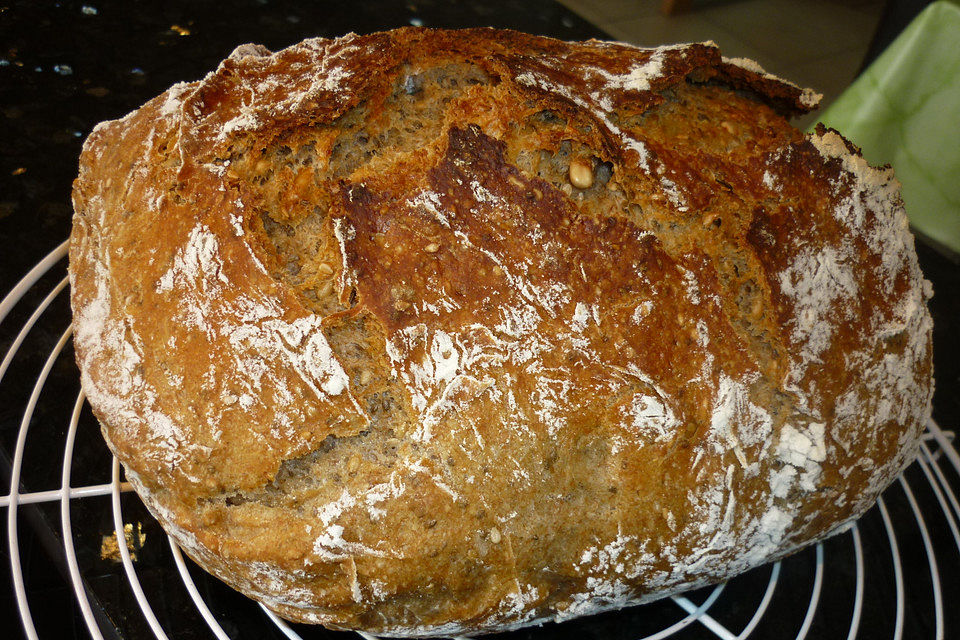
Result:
{"points": [[588, 419]]}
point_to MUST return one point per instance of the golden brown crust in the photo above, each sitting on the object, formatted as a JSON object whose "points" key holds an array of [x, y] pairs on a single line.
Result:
{"points": [[436, 388]]}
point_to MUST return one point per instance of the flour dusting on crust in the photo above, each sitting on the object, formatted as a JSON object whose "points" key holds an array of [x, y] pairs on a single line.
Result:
{"points": [[717, 387]]}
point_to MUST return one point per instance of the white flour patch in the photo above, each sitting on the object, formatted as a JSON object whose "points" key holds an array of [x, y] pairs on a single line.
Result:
{"points": [[816, 282]]}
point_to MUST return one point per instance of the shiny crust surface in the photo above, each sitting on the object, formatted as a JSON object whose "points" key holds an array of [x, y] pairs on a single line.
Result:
{"points": [[598, 397]]}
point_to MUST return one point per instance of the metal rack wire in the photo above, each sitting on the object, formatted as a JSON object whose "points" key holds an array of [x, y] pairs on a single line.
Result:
{"points": [[916, 518]]}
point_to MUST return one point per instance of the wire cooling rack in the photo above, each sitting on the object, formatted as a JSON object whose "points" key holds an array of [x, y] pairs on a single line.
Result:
{"points": [[895, 573]]}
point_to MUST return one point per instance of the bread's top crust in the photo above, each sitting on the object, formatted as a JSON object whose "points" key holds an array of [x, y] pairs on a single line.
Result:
{"points": [[517, 312]]}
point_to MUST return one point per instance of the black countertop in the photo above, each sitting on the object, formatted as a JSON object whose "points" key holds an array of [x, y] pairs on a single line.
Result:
{"points": [[64, 66]]}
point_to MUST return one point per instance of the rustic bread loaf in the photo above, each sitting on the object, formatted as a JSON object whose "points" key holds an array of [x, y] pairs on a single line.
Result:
{"points": [[433, 332]]}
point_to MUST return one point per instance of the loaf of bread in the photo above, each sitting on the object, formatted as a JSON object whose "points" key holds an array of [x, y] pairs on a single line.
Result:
{"points": [[436, 332]]}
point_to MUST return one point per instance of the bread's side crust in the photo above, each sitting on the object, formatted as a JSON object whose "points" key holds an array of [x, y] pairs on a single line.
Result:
{"points": [[519, 322]]}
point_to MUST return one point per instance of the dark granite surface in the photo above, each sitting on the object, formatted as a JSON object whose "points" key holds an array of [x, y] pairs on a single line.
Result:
{"points": [[64, 66]]}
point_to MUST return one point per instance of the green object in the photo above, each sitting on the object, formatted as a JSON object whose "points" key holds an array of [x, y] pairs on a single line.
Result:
{"points": [[904, 110]]}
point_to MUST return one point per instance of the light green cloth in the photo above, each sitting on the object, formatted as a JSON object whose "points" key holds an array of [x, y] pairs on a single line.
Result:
{"points": [[905, 110]]}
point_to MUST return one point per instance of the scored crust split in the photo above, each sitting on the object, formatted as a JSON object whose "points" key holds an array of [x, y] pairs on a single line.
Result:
{"points": [[436, 332]]}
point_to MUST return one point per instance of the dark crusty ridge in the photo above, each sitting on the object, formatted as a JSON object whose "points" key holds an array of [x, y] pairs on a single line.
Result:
{"points": [[430, 332]]}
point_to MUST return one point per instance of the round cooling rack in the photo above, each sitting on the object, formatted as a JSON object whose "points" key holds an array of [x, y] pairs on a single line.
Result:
{"points": [[86, 556]]}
